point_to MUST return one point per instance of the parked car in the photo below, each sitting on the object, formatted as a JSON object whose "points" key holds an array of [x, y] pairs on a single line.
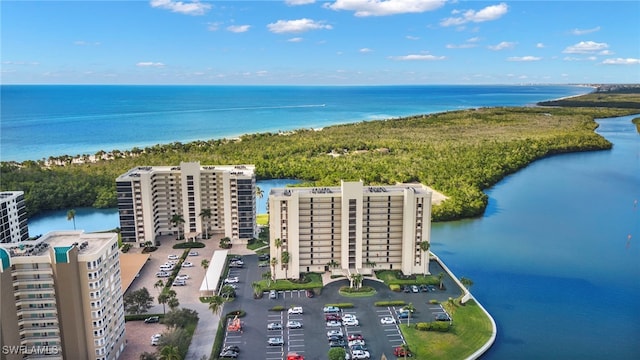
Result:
{"points": [[334, 317], [229, 354], [294, 324], [162, 274], [349, 317], [360, 354], [173, 257], [179, 283], [295, 310], [331, 309], [337, 343], [414, 289], [263, 257], [235, 348], [274, 326], [155, 341], [152, 320], [357, 342], [183, 277], [275, 341], [236, 264], [406, 289], [334, 323], [232, 279], [187, 264], [335, 338], [442, 317], [310, 293], [337, 332], [350, 322], [424, 288], [355, 336], [263, 264], [402, 314], [156, 336], [387, 320], [273, 294], [193, 253], [400, 351], [358, 347]]}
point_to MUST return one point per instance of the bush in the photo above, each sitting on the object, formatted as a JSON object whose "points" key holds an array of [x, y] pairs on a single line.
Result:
{"points": [[395, 287], [238, 313], [277, 308], [125, 248], [342, 305], [439, 326], [148, 249], [140, 317], [434, 301], [390, 303], [189, 245]]}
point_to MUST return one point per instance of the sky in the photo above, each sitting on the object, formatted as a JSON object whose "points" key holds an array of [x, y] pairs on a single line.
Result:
{"points": [[307, 42]]}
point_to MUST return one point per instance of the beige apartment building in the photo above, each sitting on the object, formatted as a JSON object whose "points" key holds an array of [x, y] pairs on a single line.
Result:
{"points": [[61, 297], [13, 217], [350, 229], [209, 199]]}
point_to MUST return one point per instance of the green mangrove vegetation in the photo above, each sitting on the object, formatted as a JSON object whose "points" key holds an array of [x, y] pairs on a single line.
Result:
{"points": [[459, 153]]}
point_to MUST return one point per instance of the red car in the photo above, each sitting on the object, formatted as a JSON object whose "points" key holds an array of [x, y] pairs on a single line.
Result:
{"points": [[334, 317], [400, 351], [355, 336]]}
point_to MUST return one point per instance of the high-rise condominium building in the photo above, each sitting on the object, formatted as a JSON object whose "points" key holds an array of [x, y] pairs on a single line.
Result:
{"points": [[13, 217], [61, 297], [187, 200], [350, 229]]}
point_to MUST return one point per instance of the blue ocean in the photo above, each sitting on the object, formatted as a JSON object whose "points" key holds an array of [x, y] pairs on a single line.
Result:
{"points": [[54, 120], [555, 258]]}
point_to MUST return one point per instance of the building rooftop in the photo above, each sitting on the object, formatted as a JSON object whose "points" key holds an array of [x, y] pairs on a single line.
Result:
{"points": [[399, 188], [86, 243], [233, 169]]}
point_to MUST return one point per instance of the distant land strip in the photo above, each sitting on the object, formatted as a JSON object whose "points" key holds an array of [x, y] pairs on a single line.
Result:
{"points": [[458, 153]]}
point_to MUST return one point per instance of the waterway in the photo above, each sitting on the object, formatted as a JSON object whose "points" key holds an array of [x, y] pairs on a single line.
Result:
{"points": [[555, 259]]}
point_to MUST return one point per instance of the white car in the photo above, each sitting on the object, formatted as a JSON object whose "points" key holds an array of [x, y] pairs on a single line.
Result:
{"points": [[334, 323], [193, 253], [187, 264], [183, 277], [295, 310], [162, 274], [234, 286], [387, 320], [330, 309], [356, 342], [156, 336], [335, 333], [349, 317], [294, 324], [230, 280], [351, 322], [360, 354], [274, 326], [179, 283], [173, 257]]}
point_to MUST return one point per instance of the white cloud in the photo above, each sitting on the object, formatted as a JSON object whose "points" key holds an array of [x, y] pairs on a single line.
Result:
{"points": [[571, 58], [524, 58], [8, 62], [606, 52], [299, 2], [189, 8], [238, 28], [539, 45], [365, 50], [489, 13], [622, 61], [213, 26], [297, 26], [501, 46], [150, 64], [585, 31], [295, 39], [585, 47], [414, 57], [85, 43], [364, 8], [410, 37], [461, 46]]}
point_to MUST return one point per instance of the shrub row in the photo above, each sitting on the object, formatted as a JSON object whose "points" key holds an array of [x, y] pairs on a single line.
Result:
{"points": [[439, 326], [390, 303], [342, 305], [138, 317], [189, 245], [277, 308]]}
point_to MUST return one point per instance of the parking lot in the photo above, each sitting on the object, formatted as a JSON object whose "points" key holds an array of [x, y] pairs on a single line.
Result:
{"points": [[311, 339]]}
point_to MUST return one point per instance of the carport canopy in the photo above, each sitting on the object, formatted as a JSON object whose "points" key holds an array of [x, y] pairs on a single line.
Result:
{"points": [[130, 266], [212, 276]]}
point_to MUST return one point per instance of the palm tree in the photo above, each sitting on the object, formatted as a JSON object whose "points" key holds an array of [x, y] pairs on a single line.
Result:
{"points": [[227, 291], [176, 220], [425, 246], [284, 258], [405, 347], [71, 215], [440, 278], [267, 276], [170, 352], [205, 264], [274, 262], [259, 192], [163, 298], [466, 282], [173, 302], [410, 308], [205, 214], [355, 279], [215, 304], [257, 288]]}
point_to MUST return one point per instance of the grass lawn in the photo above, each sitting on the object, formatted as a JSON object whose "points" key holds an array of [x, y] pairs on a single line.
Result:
{"points": [[256, 245], [316, 282], [262, 219], [390, 277], [471, 329]]}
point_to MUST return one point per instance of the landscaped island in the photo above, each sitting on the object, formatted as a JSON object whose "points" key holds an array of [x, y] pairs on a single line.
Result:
{"points": [[458, 153]]}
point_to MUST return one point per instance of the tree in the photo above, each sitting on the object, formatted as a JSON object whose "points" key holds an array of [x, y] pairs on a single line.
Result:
{"points": [[424, 247], [274, 262], [205, 264], [257, 288], [170, 352], [71, 215], [410, 308], [259, 193], [405, 347], [163, 298], [284, 258], [177, 220], [228, 291], [159, 285], [138, 302], [224, 243], [215, 304], [440, 280], [267, 276], [333, 264], [337, 353], [468, 283], [180, 318], [205, 214], [173, 301], [148, 356], [355, 280], [371, 264]]}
